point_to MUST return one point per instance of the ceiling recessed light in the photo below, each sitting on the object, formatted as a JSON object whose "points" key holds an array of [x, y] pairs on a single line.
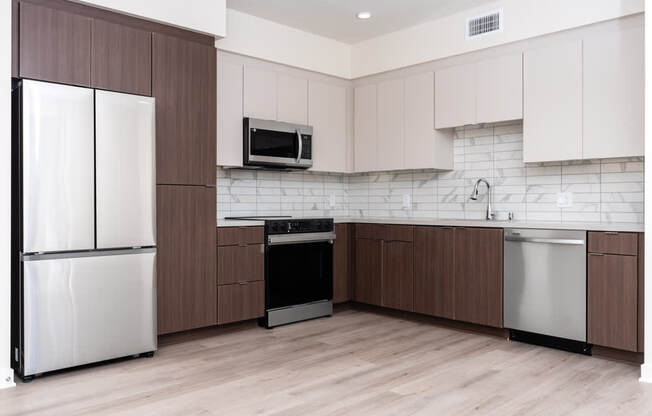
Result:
{"points": [[364, 15]]}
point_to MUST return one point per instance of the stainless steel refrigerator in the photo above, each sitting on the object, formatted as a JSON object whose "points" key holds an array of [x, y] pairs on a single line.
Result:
{"points": [[84, 226]]}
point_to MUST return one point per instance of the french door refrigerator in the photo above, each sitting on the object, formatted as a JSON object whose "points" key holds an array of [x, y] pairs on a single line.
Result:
{"points": [[84, 226]]}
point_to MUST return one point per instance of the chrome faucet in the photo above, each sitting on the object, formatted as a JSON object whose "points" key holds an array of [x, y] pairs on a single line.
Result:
{"points": [[474, 197]]}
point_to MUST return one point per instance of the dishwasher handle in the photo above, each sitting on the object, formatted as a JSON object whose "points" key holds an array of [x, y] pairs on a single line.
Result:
{"points": [[545, 240]]}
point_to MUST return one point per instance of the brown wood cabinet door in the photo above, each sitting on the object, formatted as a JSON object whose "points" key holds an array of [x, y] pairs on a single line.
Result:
{"points": [[368, 271], [398, 275], [184, 84], [245, 263], [186, 260], [342, 264], [121, 58], [434, 271], [54, 45], [239, 302], [479, 276], [612, 301]]}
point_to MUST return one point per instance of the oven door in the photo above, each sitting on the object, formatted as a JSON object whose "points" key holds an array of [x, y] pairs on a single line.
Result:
{"points": [[299, 269], [273, 143]]}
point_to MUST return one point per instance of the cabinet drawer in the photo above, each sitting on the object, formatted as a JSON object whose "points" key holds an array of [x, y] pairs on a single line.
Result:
{"points": [[240, 301], [370, 231], [231, 236], [399, 233], [613, 243], [242, 263]]}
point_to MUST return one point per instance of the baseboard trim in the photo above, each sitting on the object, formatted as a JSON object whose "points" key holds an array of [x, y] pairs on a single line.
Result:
{"points": [[6, 378], [646, 373]]}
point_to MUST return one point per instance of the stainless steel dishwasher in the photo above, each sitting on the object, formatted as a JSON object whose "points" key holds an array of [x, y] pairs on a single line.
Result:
{"points": [[545, 287]]}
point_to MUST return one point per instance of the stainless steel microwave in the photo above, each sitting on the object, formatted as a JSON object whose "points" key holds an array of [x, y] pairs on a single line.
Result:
{"points": [[269, 143]]}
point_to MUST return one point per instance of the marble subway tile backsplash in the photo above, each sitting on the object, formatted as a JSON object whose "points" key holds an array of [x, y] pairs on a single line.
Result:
{"points": [[607, 190]]}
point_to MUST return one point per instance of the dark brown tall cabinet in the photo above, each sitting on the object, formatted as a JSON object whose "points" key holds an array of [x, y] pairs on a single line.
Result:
{"points": [[184, 85], [186, 257]]}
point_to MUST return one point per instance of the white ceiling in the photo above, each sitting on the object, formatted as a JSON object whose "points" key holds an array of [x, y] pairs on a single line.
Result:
{"points": [[336, 19]]}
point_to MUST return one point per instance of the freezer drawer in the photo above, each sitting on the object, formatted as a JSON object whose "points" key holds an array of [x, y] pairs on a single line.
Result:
{"points": [[87, 309], [545, 282], [57, 167], [126, 180]]}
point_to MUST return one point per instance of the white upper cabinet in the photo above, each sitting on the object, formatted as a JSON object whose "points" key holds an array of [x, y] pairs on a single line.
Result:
{"points": [[499, 89], [614, 84], [365, 128], [424, 147], [455, 96], [390, 125], [229, 114], [552, 113], [260, 93], [328, 109], [292, 99]]}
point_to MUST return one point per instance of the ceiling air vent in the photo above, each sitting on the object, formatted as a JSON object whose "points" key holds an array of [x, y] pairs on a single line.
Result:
{"points": [[486, 23]]}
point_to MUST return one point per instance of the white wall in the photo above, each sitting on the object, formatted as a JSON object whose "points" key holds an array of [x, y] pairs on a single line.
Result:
{"points": [[206, 16], [6, 374], [646, 368], [446, 36], [260, 38]]}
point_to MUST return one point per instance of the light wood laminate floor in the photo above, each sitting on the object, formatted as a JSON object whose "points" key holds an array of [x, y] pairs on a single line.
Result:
{"points": [[355, 363]]}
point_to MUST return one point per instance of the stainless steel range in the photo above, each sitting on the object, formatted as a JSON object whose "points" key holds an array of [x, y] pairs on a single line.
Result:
{"points": [[298, 269]]}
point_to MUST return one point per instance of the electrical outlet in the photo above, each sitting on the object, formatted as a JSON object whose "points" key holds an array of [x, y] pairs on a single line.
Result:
{"points": [[331, 201], [407, 201], [564, 200]]}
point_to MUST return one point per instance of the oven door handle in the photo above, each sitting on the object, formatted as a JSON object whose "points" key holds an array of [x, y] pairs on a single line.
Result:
{"points": [[301, 238]]}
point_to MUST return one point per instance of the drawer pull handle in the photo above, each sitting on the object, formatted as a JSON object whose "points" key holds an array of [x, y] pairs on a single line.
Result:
{"points": [[611, 232], [596, 254], [243, 245], [242, 283]]}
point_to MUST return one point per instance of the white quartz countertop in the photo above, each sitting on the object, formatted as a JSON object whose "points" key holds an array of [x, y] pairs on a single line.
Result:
{"points": [[592, 226]]}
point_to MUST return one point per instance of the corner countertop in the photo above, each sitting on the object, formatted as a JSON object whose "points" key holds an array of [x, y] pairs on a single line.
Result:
{"points": [[592, 226]]}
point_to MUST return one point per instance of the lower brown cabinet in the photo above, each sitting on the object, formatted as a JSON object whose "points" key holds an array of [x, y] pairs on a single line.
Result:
{"points": [[434, 271], [384, 266], [240, 274], [368, 271], [342, 259], [397, 278], [612, 301], [240, 301], [479, 276], [186, 260]]}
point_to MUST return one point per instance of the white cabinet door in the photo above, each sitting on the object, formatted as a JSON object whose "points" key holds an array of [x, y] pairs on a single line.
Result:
{"points": [[390, 125], [614, 84], [328, 119], [229, 115], [455, 96], [499, 89], [424, 147], [365, 117], [292, 96], [552, 97], [260, 93]]}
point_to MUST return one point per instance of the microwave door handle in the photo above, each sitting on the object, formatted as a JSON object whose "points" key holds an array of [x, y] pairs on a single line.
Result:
{"points": [[300, 146]]}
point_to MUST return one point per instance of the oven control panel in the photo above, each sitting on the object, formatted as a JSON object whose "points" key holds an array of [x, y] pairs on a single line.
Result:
{"points": [[296, 226]]}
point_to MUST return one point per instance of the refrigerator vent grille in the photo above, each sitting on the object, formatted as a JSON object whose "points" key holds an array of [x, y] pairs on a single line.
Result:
{"points": [[484, 24]]}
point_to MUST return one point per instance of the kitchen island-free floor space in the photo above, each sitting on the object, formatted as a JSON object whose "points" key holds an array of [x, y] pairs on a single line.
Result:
{"points": [[355, 363]]}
